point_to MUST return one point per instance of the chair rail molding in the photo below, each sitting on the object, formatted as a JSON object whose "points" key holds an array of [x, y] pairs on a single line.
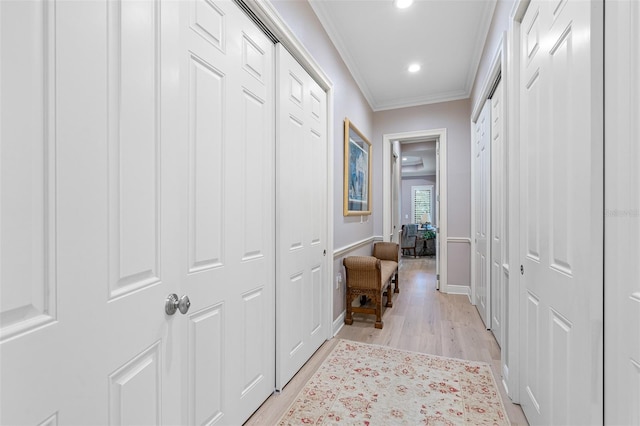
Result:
{"points": [[459, 240], [354, 246]]}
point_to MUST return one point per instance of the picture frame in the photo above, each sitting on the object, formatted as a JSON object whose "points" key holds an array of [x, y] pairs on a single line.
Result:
{"points": [[357, 171]]}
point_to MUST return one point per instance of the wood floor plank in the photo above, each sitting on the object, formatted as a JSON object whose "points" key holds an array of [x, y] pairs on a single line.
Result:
{"points": [[422, 320]]}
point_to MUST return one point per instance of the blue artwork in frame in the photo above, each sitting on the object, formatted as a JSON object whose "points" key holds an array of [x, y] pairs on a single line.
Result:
{"points": [[357, 171]]}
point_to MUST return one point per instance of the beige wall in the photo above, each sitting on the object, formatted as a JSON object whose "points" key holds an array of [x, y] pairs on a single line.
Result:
{"points": [[454, 116]]}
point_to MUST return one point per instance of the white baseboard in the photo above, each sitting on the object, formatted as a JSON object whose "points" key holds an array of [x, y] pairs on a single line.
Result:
{"points": [[339, 323], [505, 379], [459, 289], [506, 387]]}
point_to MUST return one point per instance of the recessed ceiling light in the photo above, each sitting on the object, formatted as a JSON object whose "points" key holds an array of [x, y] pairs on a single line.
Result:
{"points": [[414, 67], [402, 4]]}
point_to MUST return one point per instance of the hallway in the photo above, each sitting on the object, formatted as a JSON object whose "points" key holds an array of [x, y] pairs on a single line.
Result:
{"points": [[422, 320]]}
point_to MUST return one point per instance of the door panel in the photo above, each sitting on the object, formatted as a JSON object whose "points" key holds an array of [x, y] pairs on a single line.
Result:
{"points": [[482, 211], [205, 166], [134, 146], [134, 390], [28, 155], [561, 178], [302, 185], [31, 317], [206, 330]]}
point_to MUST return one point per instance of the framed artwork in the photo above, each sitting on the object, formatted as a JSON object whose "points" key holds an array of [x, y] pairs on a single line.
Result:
{"points": [[357, 171]]}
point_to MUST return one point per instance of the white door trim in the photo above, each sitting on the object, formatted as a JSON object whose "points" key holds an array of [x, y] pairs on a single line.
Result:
{"points": [[621, 215], [269, 16], [503, 64], [387, 217], [498, 65], [511, 352]]}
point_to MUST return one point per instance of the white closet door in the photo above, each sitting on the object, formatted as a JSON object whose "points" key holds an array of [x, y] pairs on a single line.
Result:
{"points": [[34, 320], [497, 278], [226, 213], [561, 205], [622, 214], [302, 218], [137, 161], [482, 212], [85, 336]]}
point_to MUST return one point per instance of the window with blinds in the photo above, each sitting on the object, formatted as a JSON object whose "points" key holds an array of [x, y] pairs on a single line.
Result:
{"points": [[421, 203]]}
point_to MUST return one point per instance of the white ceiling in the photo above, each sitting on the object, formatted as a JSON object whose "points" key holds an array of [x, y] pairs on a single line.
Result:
{"points": [[377, 42], [418, 158]]}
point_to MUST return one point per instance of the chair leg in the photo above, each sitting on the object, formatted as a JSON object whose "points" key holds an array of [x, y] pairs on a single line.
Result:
{"points": [[389, 294], [378, 302], [348, 319]]}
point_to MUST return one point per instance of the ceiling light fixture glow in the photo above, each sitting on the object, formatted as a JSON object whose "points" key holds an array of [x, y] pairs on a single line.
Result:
{"points": [[404, 158], [402, 4], [414, 67]]}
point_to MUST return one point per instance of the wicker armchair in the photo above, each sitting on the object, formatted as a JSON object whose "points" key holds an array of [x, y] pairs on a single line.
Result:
{"points": [[372, 277]]}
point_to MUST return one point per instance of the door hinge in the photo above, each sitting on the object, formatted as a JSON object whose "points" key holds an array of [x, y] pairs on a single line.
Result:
{"points": [[437, 277], [521, 269]]}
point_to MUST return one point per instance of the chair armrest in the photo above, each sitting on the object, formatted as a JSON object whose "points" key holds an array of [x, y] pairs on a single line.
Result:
{"points": [[362, 272], [361, 263]]}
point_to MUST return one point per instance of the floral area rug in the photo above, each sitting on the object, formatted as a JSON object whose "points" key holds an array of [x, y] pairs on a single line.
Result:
{"points": [[366, 384]]}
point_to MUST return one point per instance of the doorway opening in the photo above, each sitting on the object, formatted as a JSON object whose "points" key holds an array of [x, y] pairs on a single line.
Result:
{"points": [[417, 147]]}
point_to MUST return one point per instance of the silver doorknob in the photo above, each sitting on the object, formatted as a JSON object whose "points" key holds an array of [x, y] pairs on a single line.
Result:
{"points": [[173, 304]]}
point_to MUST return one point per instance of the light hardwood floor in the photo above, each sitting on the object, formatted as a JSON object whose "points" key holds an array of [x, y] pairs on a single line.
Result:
{"points": [[423, 320]]}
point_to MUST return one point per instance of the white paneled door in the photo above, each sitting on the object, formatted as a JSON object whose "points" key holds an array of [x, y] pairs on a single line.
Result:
{"points": [[498, 174], [561, 202], [50, 273], [137, 162], [227, 210], [482, 212], [302, 217]]}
